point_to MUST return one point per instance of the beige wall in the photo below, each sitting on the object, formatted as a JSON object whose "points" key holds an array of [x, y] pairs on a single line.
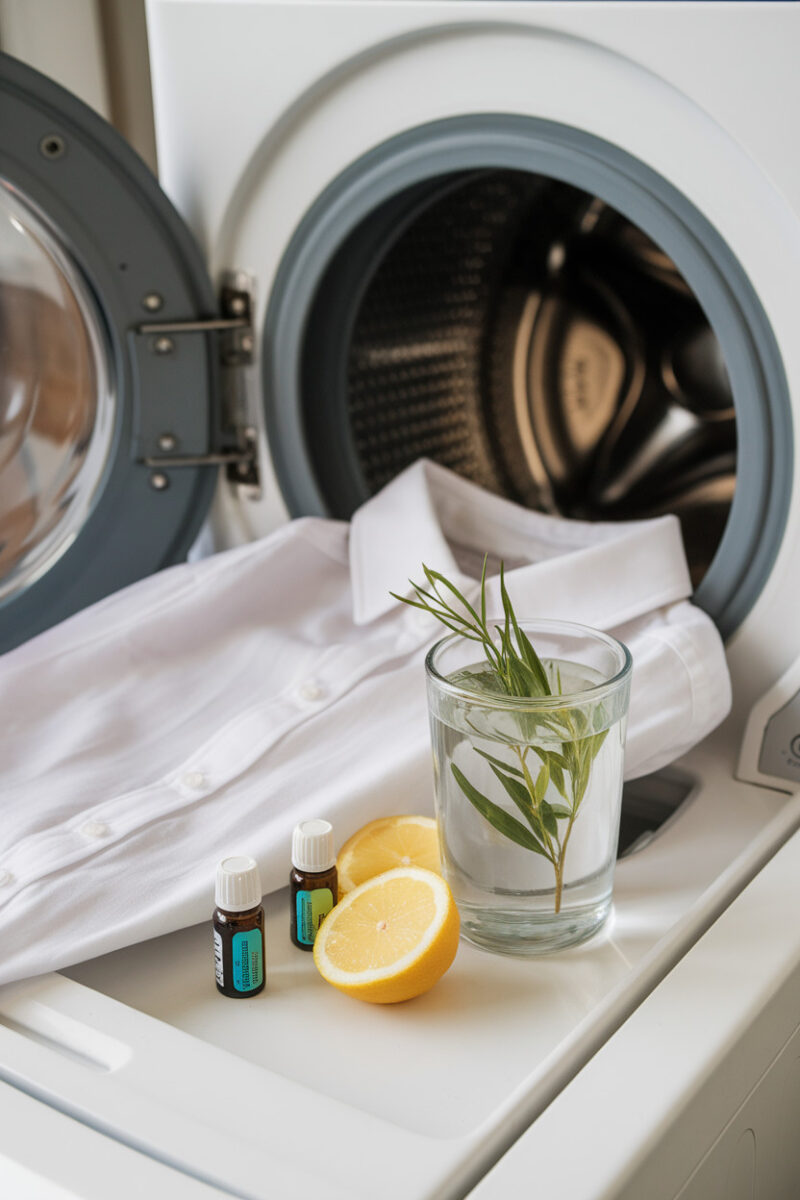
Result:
{"points": [[128, 73], [95, 48]]}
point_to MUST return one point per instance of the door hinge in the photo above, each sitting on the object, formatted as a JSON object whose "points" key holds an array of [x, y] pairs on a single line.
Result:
{"points": [[235, 445], [241, 462]]}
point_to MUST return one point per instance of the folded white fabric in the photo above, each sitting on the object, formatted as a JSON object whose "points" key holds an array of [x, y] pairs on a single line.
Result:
{"points": [[205, 710]]}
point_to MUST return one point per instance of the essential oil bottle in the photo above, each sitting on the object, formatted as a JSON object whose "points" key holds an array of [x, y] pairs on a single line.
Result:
{"points": [[239, 928], [313, 880]]}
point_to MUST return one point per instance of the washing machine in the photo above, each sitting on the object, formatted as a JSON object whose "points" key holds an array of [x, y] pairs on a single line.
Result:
{"points": [[553, 246]]}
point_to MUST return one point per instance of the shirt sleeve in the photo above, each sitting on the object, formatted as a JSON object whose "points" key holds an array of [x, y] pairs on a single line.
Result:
{"points": [[680, 688]]}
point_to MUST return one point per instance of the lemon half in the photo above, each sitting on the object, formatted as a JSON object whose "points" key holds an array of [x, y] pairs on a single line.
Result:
{"points": [[407, 841], [391, 938]]}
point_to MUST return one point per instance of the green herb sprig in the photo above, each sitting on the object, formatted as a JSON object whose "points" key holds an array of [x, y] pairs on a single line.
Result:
{"points": [[518, 668], [518, 671]]}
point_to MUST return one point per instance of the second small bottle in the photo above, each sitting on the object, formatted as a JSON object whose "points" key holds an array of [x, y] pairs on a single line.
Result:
{"points": [[313, 880]]}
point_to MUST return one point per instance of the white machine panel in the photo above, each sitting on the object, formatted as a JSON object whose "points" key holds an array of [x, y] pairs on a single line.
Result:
{"points": [[303, 1087], [710, 1064]]}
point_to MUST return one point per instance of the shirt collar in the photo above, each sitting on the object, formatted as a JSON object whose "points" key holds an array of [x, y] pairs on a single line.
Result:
{"points": [[598, 573]]}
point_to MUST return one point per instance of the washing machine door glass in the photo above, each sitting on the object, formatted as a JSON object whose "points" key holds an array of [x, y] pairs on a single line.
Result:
{"points": [[56, 396], [94, 261]]}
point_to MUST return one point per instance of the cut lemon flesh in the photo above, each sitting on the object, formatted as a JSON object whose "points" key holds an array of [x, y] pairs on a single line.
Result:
{"points": [[391, 938], [389, 842]]}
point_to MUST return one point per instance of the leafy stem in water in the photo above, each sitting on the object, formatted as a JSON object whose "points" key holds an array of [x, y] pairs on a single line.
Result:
{"points": [[518, 671]]}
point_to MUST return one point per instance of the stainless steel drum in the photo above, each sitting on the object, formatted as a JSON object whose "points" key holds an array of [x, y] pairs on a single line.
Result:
{"points": [[523, 333]]}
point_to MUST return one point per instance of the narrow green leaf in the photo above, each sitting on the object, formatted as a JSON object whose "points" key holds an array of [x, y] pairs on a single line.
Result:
{"points": [[548, 818], [557, 776], [507, 636], [571, 757], [578, 722], [412, 603], [559, 811], [498, 762], [431, 603], [555, 757], [533, 661], [520, 795], [554, 721], [502, 821], [421, 604], [539, 830], [434, 577], [545, 755], [596, 744], [525, 683], [521, 685], [557, 766], [579, 786], [526, 653], [483, 591], [455, 629], [521, 679], [464, 629], [504, 665], [542, 780], [424, 596], [600, 719]]}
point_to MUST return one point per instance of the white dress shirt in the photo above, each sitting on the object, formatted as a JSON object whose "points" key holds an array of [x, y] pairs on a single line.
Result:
{"points": [[205, 710]]}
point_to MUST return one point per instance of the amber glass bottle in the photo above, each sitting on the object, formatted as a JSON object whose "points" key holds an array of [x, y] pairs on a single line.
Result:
{"points": [[313, 880], [239, 928]]}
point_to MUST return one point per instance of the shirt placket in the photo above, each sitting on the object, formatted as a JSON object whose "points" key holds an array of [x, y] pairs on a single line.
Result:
{"points": [[212, 767]]}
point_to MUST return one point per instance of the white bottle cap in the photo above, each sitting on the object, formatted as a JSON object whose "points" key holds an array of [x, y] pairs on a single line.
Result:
{"points": [[238, 884], [312, 846]]}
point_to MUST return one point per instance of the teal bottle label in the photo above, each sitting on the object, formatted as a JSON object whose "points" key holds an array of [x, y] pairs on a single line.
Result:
{"points": [[247, 952], [311, 908]]}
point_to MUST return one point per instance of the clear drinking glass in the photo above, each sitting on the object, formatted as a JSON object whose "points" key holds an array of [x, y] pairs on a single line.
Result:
{"points": [[528, 790]]}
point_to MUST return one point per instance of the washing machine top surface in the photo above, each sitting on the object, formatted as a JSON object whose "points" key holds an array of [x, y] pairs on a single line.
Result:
{"points": [[303, 1086]]}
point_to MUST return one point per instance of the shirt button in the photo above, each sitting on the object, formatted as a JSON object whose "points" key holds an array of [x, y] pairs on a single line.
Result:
{"points": [[311, 690], [194, 780], [94, 829], [5, 878]]}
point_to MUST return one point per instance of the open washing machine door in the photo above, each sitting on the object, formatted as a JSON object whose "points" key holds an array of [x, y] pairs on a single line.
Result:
{"points": [[356, 143], [117, 401]]}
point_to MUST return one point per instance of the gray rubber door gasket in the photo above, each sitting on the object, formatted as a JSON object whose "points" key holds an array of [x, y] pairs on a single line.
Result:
{"points": [[349, 228]]}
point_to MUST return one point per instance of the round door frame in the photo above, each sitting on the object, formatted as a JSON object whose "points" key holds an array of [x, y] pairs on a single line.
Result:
{"points": [[765, 466], [138, 260]]}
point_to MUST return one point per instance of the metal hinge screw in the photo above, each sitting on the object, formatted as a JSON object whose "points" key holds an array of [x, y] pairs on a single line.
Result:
{"points": [[159, 481], [167, 442], [163, 345], [152, 301]]}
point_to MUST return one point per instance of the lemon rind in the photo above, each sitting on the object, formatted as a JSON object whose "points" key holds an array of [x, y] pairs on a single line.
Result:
{"points": [[346, 853], [442, 903]]}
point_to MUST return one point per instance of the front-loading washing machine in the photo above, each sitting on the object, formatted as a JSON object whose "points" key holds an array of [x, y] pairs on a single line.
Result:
{"points": [[553, 246]]}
